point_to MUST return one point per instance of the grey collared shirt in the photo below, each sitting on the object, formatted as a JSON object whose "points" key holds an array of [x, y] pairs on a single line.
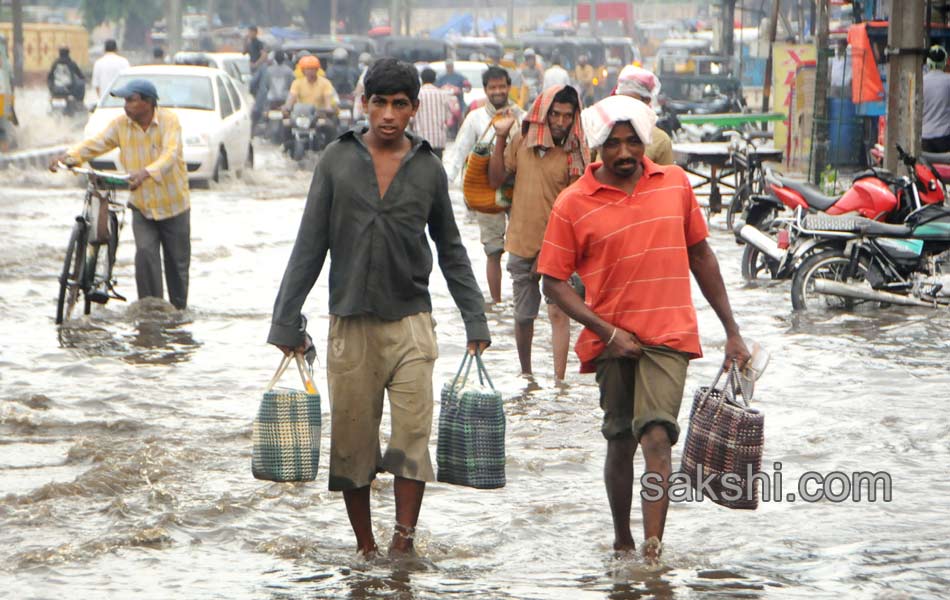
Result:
{"points": [[380, 258]]}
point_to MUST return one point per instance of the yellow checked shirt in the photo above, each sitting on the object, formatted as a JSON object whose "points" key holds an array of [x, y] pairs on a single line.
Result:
{"points": [[158, 150]]}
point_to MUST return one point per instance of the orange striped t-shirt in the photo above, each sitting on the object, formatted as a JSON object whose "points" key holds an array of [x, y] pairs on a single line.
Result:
{"points": [[630, 251]]}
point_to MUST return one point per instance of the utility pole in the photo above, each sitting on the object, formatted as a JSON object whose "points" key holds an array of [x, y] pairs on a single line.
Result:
{"points": [[773, 30], [727, 10], [475, 27], [394, 17], [210, 16], [173, 21], [333, 16], [511, 19], [820, 124], [17, 8], [906, 45], [593, 17]]}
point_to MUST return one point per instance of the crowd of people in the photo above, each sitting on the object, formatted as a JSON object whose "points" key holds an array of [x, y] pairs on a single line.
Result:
{"points": [[610, 244]]}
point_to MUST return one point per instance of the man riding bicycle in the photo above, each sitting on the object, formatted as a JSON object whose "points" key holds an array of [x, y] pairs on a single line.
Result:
{"points": [[149, 142]]}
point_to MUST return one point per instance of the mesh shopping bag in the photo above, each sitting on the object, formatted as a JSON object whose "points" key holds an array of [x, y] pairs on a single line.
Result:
{"points": [[471, 446], [286, 430], [723, 447]]}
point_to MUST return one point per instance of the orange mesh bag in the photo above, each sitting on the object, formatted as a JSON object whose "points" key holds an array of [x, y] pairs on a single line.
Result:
{"points": [[479, 196]]}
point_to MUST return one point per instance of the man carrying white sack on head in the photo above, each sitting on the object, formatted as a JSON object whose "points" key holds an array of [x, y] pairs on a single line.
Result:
{"points": [[633, 232], [643, 85]]}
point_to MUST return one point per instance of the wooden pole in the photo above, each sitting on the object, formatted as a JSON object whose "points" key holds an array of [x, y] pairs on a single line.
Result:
{"points": [[773, 30], [821, 126], [333, 16], [727, 35], [511, 19], [906, 43]]}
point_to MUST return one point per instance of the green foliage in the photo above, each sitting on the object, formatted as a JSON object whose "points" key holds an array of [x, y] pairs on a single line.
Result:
{"points": [[96, 12]]}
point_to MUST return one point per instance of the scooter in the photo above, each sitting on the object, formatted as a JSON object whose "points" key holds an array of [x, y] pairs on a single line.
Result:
{"points": [[875, 194], [311, 130]]}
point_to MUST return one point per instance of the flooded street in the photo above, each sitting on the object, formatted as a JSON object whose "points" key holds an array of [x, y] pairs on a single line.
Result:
{"points": [[125, 439]]}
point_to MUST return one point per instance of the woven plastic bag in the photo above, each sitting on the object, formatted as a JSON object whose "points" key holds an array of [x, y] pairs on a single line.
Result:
{"points": [[725, 438], [471, 446], [286, 431]]}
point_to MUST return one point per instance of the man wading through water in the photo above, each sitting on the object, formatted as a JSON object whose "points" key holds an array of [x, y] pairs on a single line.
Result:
{"points": [[633, 231], [497, 84], [382, 335], [546, 156]]}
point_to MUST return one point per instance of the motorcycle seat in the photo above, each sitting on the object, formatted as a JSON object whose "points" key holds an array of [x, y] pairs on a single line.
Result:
{"points": [[885, 229], [934, 158], [812, 194]]}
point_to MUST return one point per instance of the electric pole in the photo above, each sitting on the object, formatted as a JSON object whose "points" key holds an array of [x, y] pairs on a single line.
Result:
{"points": [[511, 19], [820, 124], [906, 46], [173, 21], [773, 31], [727, 38]]}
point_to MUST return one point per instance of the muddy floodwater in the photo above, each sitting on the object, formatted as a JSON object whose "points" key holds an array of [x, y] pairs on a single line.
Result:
{"points": [[125, 440]]}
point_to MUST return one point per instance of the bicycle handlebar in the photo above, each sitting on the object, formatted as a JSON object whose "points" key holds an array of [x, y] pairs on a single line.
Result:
{"points": [[115, 177]]}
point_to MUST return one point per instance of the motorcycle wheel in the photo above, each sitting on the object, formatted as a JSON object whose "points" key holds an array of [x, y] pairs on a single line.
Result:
{"points": [[299, 150], [757, 266], [739, 201], [831, 265]]}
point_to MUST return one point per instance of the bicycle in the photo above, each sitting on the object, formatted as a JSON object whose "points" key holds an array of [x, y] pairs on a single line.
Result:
{"points": [[98, 225], [747, 161]]}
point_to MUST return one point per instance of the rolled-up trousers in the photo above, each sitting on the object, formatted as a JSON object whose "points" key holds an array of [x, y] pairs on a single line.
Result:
{"points": [[168, 239]]}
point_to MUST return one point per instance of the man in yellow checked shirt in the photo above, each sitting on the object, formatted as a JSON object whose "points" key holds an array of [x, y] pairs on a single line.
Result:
{"points": [[149, 142]]}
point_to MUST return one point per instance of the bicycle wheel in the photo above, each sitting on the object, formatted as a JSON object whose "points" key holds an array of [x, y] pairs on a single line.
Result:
{"points": [[91, 281], [738, 204], [70, 281]]}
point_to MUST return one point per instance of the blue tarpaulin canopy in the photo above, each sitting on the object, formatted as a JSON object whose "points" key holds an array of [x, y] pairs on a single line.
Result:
{"points": [[464, 24]]}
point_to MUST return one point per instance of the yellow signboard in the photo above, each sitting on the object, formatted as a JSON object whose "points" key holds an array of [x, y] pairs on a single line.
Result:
{"points": [[786, 58]]}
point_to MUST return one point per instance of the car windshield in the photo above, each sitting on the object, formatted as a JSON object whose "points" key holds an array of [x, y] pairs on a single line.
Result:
{"points": [[174, 91]]}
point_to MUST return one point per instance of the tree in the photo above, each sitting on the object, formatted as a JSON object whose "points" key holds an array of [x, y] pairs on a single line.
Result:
{"points": [[137, 17], [354, 14]]}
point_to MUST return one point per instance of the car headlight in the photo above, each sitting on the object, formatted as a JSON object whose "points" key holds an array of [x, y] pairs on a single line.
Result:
{"points": [[302, 122], [197, 140]]}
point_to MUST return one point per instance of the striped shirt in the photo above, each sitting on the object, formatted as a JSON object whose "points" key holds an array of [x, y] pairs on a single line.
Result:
{"points": [[435, 110], [631, 253], [158, 150]]}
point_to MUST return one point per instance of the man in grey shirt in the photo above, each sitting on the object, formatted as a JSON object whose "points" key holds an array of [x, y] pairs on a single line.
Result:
{"points": [[936, 126], [373, 194]]}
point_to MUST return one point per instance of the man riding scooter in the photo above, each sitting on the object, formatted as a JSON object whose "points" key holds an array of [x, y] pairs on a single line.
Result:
{"points": [[311, 106], [66, 83], [271, 96]]}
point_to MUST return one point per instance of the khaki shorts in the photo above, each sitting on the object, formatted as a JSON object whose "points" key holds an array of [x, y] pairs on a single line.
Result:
{"points": [[367, 356], [491, 229], [636, 393], [526, 287]]}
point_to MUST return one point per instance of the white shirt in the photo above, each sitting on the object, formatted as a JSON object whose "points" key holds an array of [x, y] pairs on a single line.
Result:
{"points": [[556, 75], [473, 126], [105, 71]]}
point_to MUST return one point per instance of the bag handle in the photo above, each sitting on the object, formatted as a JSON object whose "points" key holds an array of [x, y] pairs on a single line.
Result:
{"points": [[301, 367], [483, 371], [733, 380]]}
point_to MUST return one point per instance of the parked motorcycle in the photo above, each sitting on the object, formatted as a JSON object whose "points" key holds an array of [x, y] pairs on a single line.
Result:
{"points": [[775, 246], [877, 264]]}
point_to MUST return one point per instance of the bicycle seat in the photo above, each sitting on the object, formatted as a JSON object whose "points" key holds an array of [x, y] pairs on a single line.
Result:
{"points": [[812, 194]]}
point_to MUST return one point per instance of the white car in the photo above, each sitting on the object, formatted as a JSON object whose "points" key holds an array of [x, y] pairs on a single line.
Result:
{"points": [[215, 117], [471, 70], [235, 64]]}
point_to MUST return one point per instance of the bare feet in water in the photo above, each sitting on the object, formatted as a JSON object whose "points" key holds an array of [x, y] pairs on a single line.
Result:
{"points": [[652, 551], [401, 544]]}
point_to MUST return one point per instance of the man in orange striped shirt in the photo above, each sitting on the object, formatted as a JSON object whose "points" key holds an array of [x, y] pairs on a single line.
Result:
{"points": [[633, 232]]}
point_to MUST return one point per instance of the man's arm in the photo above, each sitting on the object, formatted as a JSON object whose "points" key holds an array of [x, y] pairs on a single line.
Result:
{"points": [[107, 139], [705, 268], [497, 171], [306, 262], [455, 266], [618, 342], [464, 142]]}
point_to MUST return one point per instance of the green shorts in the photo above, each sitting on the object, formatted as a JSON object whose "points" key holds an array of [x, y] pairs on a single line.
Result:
{"points": [[636, 393]]}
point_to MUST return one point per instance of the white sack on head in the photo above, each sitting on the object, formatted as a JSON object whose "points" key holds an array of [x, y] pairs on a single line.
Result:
{"points": [[600, 118], [638, 81]]}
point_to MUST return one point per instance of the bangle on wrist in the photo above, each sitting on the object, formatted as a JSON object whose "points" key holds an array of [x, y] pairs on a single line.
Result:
{"points": [[613, 334]]}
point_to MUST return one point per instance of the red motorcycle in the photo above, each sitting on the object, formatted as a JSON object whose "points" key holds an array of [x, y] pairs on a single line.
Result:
{"points": [[874, 194]]}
